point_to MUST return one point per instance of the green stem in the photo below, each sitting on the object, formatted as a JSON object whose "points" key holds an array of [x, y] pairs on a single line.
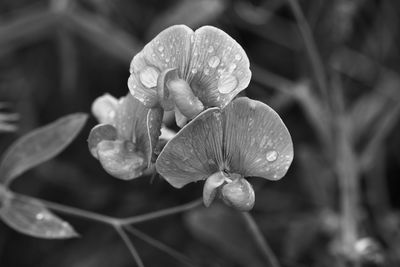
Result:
{"points": [[159, 245], [129, 245], [161, 213], [260, 240]]}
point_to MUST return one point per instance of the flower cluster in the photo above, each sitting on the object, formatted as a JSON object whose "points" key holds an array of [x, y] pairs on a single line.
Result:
{"points": [[196, 74]]}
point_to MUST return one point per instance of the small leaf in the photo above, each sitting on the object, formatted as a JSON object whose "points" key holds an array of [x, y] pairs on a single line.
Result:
{"points": [[31, 217], [39, 146]]}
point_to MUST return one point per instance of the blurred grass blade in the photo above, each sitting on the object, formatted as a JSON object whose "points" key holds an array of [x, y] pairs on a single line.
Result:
{"points": [[31, 217], [39, 146], [191, 13], [103, 35]]}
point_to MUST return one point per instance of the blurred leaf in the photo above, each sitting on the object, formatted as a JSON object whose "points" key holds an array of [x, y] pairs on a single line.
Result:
{"points": [[103, 34], [39, 146], [222, 229], [191, 13], [31, 217]]}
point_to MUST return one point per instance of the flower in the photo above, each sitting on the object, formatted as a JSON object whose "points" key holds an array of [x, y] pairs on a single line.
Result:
{"points": [[222, 146], [126, 137], [189, 71]]}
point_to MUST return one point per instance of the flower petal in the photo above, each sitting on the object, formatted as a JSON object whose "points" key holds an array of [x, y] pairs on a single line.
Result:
{"points": [[195, 152], [121, 159], [138, 124], [99, 133], [219, 67], [104, 108], [169, 49], [256, 141]]}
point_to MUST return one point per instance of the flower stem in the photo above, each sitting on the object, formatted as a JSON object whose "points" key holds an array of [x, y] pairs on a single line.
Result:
{"points": [[159, 245], [260, 240], [129, 245], [161, 213]]}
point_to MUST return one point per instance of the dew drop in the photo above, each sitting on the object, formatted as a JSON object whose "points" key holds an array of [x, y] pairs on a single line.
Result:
{"points": [[238, 57], [210, 49], [148, 76], [227, 83], [232, 67], [272, 155], [161, 48], [206, 71], [167, 59], [40, 216], [194, 71], [214, 61]]}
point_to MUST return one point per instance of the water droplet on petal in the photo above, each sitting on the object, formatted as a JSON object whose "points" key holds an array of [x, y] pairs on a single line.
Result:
{"points": [[148, 76], [206, 71], [194, 71], [227, 83], [160, 48], [214, 61], [210, 49], [167, 59], [238, 57], [40, 216], [272, 155], [232, 67]]}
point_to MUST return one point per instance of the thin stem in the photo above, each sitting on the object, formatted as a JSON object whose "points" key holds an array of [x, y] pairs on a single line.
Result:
{"points": [[260, 240], [161, 213], [129, 245], [161, 246], [75, 211], [311, 48]]}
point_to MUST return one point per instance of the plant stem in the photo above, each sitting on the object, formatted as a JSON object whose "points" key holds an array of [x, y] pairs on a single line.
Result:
{"points": [[129, 245], [159, 245], [311, 48], [260, 240], [161, 213]]}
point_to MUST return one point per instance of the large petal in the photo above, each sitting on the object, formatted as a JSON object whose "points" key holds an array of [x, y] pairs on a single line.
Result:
{"points": [[169, 49], [256, 141], [219, 67], [195, 152]]}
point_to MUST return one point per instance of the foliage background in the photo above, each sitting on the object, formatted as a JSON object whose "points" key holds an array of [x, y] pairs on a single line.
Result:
{"points": [[57, 56]]}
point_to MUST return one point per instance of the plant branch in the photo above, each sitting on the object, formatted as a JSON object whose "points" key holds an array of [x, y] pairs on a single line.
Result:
{"points": [[161, 246], [260, 240], [160, 213], [129, 245]]}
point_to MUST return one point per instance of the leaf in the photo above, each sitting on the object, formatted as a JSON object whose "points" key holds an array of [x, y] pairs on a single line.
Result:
{"points": [[32, 218], [39, 146]]}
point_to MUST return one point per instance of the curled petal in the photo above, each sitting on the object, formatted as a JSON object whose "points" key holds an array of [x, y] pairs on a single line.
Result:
{"points": [[120, 159], [194, 153], [239, 194], [210, 187], [257, 142], [187, 103], [219, 67], [166, 100], [104, 108]]}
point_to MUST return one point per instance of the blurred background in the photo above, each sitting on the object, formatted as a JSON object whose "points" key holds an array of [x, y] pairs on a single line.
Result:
{"points": [[329, 68]]}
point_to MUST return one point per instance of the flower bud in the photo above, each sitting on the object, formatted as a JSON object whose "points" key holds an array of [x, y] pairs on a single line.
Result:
{"points": [[239, 194]]}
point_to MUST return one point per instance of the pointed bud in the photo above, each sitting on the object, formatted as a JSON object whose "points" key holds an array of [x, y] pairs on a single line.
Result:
{"points": [[210, 187], [239, 194]]}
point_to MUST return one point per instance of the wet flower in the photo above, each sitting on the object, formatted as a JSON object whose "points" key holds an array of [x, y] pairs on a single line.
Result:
{"points": [[126, 137], [189, 71], [222, 146]]}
